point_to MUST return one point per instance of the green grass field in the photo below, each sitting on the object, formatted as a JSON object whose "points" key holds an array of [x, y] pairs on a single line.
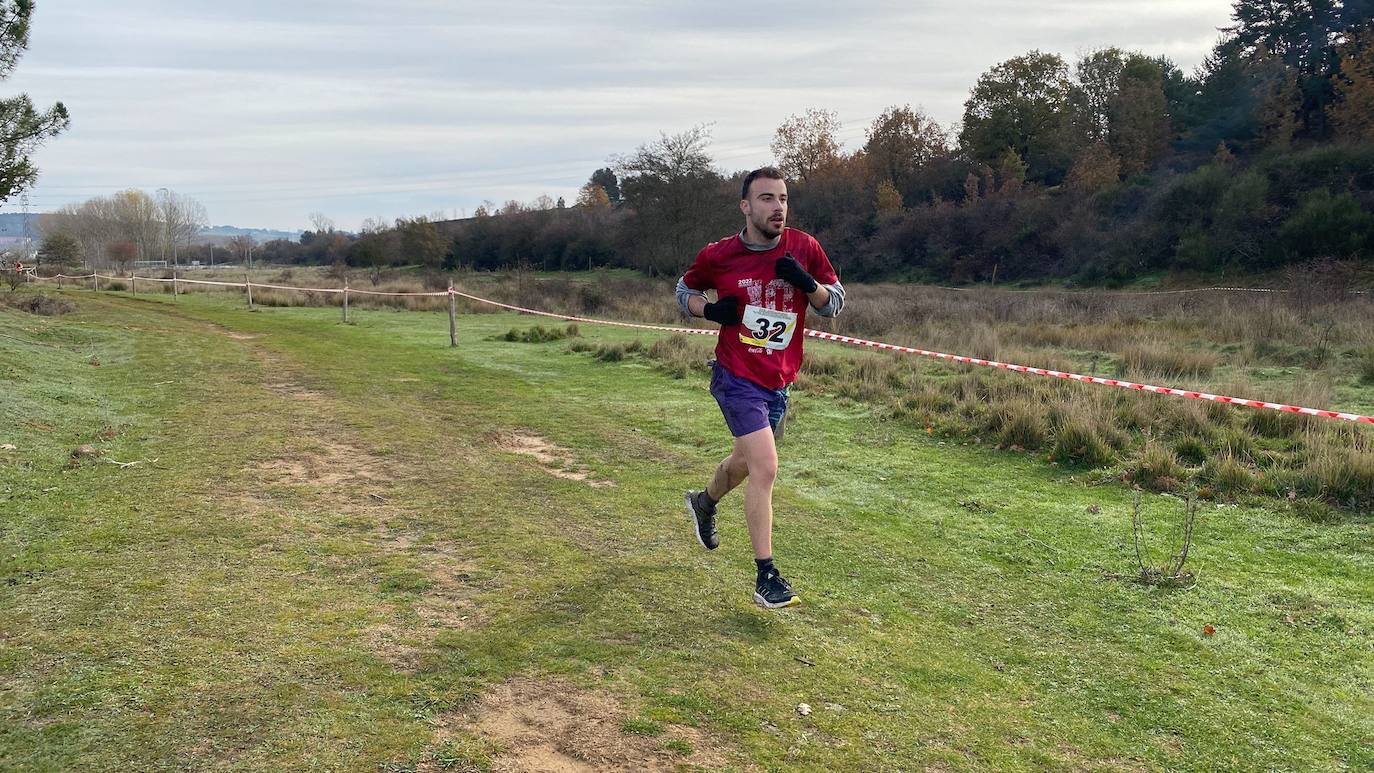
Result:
{"points": [[332, 554]]}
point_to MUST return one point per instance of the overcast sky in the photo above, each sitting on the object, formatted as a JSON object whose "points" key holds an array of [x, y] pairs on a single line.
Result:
{"points": [[267, 111]]}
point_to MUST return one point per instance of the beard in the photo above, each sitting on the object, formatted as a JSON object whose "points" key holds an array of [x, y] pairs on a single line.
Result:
{"points": [[768, 228]]}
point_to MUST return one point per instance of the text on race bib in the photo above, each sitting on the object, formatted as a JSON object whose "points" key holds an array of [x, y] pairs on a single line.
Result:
{"points": [[767, 328]]}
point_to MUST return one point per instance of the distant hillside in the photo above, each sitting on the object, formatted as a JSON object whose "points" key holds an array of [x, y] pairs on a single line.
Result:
{"points": [[13, 224], [221, 233]]}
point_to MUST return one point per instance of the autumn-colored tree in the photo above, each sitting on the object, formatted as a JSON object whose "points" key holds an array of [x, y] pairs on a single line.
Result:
{"points": [[1352, 115], [900, 142], [1094, 169], [122, 253], [972, 188], [1223, 156], [593, 196], [805, 144], [889, 199], [1011, 172]]}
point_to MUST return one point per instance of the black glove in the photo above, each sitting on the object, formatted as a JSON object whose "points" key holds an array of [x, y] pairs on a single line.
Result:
{"points": [[724, 311], [789, 269]]}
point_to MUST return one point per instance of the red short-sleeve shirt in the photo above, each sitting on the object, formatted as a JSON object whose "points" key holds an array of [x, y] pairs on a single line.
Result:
{"points": [[731, 268]]}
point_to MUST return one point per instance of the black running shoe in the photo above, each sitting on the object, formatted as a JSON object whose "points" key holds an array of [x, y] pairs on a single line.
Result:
{"points": [[773, 591], [703, 520]]}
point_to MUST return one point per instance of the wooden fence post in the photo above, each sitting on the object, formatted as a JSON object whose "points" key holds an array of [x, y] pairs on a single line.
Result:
{"points": [[133, 283], [345, 305], [452, 316], [248, 285], [175, 291]]}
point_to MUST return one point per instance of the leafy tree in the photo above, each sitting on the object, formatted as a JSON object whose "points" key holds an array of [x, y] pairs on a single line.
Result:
{"points": [[900, 142], [805, 144], [1138, 119], [22, 128], [672, 184], [421, 242], [1023, 104], [1099, 82], [60, 249]]}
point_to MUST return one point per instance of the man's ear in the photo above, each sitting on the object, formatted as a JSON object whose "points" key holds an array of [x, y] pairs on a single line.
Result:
{"points": [[744, 207]]}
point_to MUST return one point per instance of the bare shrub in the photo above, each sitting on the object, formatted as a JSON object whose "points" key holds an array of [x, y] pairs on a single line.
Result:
{"points": [[1170, 571]]}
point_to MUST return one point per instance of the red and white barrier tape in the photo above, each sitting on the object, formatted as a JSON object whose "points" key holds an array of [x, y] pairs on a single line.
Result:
{"points": [[1098, 380]]}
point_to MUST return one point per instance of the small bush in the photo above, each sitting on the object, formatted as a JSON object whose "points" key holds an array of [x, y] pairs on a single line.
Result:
{"points": [[1022, 424], [1365, 366], [540, 334], [115, 286], [1166, 361], [1158, 469], [1227, 475], [1272, 424], [610, 352], [1341, 475], [1080, 442], [43, 305], [1190, 450], [677, 356]]}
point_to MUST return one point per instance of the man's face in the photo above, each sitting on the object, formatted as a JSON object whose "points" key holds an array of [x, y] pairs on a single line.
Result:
{"points": [[766, 207]]}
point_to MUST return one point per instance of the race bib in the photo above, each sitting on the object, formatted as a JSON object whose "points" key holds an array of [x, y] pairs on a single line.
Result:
{"points": [[767, 328]]}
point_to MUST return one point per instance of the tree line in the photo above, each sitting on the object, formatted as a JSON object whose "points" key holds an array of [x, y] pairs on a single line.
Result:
{"points": [[1096, 170]]}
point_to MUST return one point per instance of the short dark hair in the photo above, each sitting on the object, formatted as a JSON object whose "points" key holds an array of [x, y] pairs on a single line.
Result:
{"points": [[769, 172]]}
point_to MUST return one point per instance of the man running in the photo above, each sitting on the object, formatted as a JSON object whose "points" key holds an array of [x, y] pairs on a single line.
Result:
{"points": [[765, 277]]}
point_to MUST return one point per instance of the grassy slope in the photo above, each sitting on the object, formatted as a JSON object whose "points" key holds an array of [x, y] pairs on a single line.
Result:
{"points": [[196, 612]]}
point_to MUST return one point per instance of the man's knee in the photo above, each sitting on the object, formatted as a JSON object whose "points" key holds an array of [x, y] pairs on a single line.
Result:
{"points": [[763, 468]]}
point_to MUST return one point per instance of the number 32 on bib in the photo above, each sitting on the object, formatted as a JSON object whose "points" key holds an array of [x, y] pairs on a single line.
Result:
{"points": [[767, 328]]}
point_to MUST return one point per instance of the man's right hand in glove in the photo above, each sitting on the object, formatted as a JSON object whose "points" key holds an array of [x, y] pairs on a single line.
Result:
{"points": [[724, 311]]}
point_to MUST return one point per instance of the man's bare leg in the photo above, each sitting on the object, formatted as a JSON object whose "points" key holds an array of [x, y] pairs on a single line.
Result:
{"points": [[760, 458], [729, 473]]}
